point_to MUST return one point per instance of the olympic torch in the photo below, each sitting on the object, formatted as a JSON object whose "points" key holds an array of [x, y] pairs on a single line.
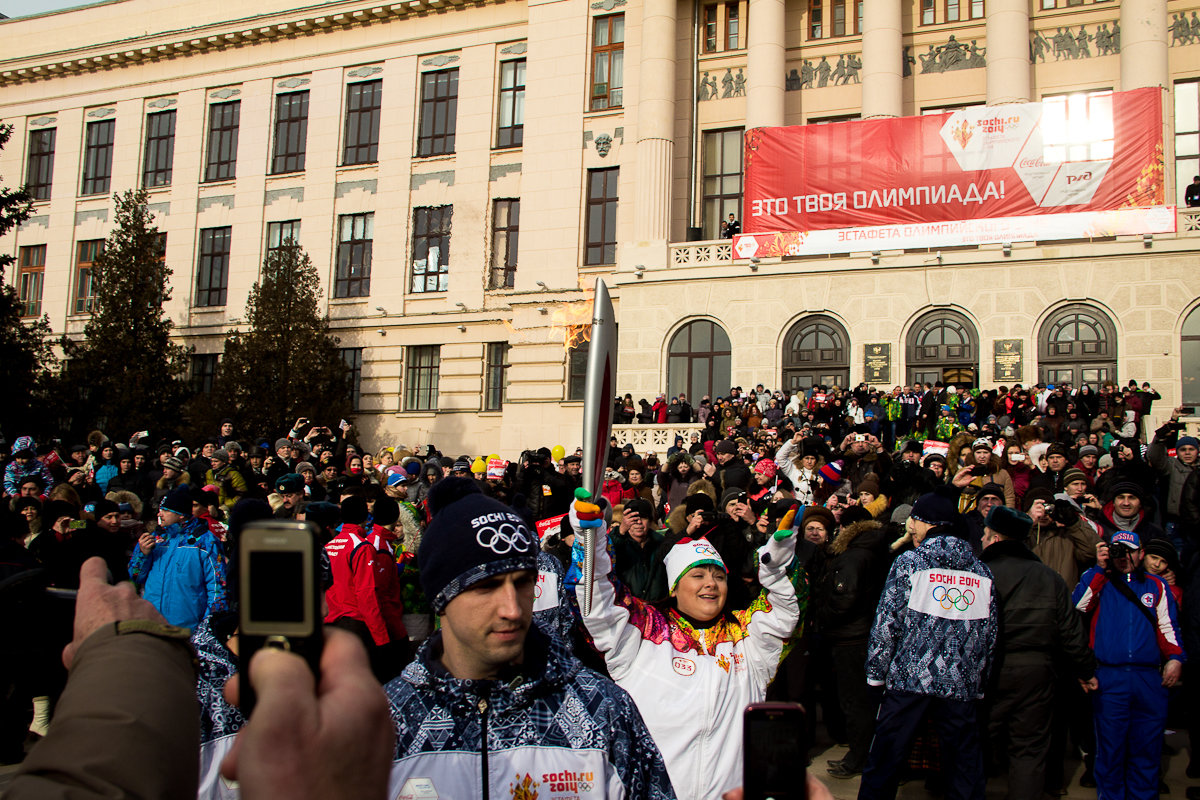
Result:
{"points": [[597, 418]]}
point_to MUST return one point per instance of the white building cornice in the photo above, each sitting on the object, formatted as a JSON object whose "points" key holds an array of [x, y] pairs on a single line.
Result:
{"points": [[248, 31]]}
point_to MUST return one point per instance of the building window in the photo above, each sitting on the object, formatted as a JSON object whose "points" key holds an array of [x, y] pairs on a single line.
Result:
{"points": [[722, 179], [204, 371], [421, 378], [723, 26], [816, 354], [431, 248], [222, 141], [815, 20], [733, 26], [506, 220], [952, 11], [577, 358], [363, 101], [1077, 344], [212, 271], [97, 156], [1190, 358], [291, 132], [31, 270], [838, 26], [439, 112], [699, 360], [39, 169], [1078, 126], [85, 290], [160, 149], [943, 345], [1187, 137], [608, 59], [601, 217], [352, 358], [356, 233], [282, 236], [510, 131], [977, 9], [928, 11], [710, 28], [495, 378]]}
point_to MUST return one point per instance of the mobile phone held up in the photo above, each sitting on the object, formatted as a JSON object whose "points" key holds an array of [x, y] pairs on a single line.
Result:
{"points": [[280, 600], [774, 752]]}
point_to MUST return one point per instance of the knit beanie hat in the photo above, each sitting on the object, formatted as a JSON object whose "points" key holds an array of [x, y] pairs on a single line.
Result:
{"points": [[1187, 441], [688, 553], [1089, 450], [938, 507], [993, 489], [698, 501], [104, 507], [1072, 475], [819, 514], [179, 501], [1166, 551], [725, 446], [1033, 495], [831, 472], [767, 467], [471, 538]]}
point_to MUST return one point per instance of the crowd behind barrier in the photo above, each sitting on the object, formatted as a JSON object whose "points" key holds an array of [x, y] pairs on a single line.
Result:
{"points": [[992, 581]]}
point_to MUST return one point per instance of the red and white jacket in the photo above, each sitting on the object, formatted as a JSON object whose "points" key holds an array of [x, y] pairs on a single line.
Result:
{"points": [[366, 586]]}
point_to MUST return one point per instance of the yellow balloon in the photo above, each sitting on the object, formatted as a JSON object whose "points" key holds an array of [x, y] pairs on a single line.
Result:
{"points": [[557, 452], [478, 466]]}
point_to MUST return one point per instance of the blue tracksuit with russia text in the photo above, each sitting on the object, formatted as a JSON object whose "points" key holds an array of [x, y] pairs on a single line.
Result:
{"points": [[1131, 704]]}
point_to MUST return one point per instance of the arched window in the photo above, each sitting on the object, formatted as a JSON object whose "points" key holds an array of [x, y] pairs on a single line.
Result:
{"points": [[1077, 344], [943, 345], [1190, 358], [698, 361], [816, 352]]}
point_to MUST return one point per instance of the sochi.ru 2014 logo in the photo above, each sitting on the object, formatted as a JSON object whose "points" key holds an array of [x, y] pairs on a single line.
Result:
{"points": [[953, 597]]}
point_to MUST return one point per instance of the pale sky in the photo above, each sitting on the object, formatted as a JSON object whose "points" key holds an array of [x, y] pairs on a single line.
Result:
{"points": [[25, 8]]}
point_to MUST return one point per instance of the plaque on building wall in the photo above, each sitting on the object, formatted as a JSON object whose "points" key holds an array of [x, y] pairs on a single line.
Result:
{"points": [[877, 360], [1007, 360]]}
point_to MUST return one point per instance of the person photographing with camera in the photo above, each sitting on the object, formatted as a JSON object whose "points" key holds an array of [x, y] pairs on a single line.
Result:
{"points": [[1134, 632]]}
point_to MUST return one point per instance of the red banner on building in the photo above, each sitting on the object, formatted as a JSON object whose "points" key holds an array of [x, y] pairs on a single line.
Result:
{"points": [[1081, 165]]}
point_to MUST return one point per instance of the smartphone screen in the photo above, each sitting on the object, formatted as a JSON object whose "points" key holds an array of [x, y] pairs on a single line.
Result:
{"points": [[277, 591], [774, 752]]}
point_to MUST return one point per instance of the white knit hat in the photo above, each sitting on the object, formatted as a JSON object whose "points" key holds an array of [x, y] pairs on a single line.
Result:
{"points": [[688, 553]]}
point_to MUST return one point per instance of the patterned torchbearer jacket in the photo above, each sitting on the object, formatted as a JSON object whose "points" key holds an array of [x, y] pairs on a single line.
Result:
{"points": [[552, 728], [935, 627]]}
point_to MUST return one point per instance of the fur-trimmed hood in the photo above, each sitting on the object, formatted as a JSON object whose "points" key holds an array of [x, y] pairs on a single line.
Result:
{"points": [[961, 445], [676, 521], [866, 534]]}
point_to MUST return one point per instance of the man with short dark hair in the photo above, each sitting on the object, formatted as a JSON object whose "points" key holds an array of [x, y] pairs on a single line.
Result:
{"points": [[1133, 625], [1191, 195], [635, 541], [1038, 623], [492, 706]]}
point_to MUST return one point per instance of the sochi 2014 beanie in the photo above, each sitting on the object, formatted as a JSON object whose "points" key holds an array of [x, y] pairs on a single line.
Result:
{"points": [[471, 538]]}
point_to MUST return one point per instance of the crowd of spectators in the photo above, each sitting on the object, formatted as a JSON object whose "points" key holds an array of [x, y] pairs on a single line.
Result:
{"points": [[887, 483]]}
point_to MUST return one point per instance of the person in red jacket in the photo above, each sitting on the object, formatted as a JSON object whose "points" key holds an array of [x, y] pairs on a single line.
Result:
{"points": [[365, 596]]}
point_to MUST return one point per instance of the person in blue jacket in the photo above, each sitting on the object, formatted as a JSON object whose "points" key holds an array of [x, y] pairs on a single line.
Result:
{"points": [[180, 566], [1133, 628]]}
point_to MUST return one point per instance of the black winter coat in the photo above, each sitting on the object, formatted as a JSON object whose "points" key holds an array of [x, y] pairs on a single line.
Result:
{"points": [[1038, 622], [849, 588]]}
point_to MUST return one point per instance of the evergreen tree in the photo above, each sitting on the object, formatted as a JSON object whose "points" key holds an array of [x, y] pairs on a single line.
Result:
{"points": [[286, 363], [26, 355], [126, 372]]}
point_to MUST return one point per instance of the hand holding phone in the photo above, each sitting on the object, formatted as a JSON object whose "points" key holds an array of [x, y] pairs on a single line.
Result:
{"points": [[280, 597], [774, 752]]}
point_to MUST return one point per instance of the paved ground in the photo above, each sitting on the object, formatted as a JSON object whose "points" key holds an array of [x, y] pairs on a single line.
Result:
{"points": [[848, 789]]}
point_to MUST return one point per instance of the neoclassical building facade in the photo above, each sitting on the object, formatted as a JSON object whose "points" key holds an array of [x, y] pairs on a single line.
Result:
{"points": [[461, 171]]}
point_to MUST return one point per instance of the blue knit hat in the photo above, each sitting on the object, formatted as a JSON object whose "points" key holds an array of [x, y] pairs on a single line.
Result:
{"points": [[1184, 441], [471, 538]]}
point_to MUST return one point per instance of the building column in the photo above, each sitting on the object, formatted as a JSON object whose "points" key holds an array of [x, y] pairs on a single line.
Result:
{"points": [[1009, 71], [655, 122], [883, 59], [1144, 44], [765, 65]]}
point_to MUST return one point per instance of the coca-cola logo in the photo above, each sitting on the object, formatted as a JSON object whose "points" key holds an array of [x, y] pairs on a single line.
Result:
{"points": [[683, 666], [1032, 162]]}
